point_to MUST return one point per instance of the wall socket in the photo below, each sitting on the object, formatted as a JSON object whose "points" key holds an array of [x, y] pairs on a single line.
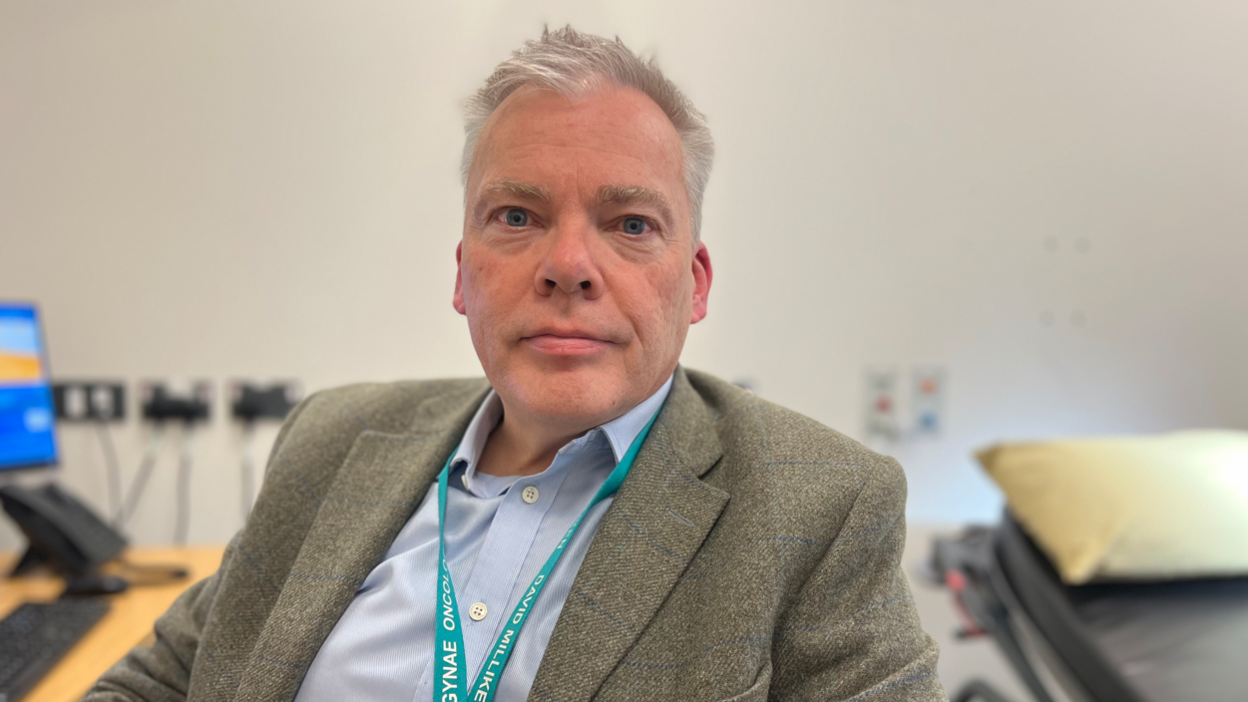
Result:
{"points": [[89, 400], [747, 383], [927, 400], [251, 401], [924, 406], [880, 404], [161, 401]]}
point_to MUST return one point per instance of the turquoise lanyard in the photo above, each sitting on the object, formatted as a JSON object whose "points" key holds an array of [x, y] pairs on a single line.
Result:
{"points": [[449, 638]]}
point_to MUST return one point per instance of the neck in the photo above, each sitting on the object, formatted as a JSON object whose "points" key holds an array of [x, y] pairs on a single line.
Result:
{"points": [[519, 447]]}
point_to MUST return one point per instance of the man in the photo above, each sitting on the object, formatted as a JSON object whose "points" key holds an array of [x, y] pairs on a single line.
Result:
{"points": [[594, 522]]}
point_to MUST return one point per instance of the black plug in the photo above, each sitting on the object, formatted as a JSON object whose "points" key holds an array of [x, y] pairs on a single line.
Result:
{"points": [[253, 402], [161, 404]]}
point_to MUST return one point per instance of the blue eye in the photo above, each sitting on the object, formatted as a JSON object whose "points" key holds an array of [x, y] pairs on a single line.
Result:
{"points": [[516, 217], [634, 226]]}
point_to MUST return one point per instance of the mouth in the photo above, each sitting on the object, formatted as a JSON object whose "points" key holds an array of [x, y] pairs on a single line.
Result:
{"points": [[565, 342]]}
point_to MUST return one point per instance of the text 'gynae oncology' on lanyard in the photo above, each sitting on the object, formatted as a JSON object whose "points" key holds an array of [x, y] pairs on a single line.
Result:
{"points": [[449, 638]]}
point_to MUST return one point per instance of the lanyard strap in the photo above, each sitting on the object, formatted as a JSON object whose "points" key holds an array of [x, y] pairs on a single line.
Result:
{"points": [[449, 637]]}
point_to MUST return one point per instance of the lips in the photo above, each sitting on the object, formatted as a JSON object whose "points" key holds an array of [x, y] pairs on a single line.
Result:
{"points": [[566, 342]]}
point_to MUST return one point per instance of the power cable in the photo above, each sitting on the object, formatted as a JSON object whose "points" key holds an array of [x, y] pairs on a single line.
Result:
{"points": [[111, 467], [140, 479], [185, 463], [144, 574]]}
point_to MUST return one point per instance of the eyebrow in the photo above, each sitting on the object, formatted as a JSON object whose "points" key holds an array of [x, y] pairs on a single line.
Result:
{"points": [[635, 195], [508, 187]]}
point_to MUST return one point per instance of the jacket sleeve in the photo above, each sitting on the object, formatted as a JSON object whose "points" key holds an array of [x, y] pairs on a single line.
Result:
{"points": [[853, 634], [162, 672]]}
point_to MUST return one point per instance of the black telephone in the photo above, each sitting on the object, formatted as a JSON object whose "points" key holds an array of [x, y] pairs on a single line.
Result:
{"points": [[63, 533]]}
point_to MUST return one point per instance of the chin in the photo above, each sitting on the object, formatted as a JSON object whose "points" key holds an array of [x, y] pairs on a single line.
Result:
{"points": [[577, 395]]}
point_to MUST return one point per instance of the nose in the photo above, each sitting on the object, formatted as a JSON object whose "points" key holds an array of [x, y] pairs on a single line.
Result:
{"points": [[568, 265]]}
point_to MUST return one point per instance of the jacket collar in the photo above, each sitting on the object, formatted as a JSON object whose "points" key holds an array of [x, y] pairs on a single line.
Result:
{"points": [[655, 525]]}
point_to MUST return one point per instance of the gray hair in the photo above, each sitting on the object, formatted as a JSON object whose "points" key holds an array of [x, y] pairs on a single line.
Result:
{"points": [[573, 63]]}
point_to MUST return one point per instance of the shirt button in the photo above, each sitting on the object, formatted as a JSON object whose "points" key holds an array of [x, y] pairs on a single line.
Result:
{"points": [[478, 611], [530, 494]]}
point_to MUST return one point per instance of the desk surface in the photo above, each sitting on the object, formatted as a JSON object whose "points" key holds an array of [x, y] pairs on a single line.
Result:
{"points": [[125, 626]]}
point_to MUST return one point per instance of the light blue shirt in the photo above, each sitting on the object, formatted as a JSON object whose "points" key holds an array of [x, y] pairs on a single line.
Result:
{"points": [[498, 535]]}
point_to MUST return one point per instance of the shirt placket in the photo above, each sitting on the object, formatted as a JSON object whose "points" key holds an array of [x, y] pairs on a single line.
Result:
{"points": [[508, 546]]}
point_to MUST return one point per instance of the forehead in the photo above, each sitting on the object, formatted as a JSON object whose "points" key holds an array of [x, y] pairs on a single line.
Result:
{"points": [[614, 135]]}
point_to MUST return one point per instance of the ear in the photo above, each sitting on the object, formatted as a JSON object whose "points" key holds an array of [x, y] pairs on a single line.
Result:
{"points": [[702, 275], [457, 301]]}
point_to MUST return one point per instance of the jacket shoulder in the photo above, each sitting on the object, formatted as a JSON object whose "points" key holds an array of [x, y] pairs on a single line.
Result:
{"points": [[406, 406], [320, 432], [799, 455]]}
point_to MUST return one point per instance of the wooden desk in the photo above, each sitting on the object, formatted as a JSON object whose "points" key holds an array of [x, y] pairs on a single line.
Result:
{"points": [[125, 626]]}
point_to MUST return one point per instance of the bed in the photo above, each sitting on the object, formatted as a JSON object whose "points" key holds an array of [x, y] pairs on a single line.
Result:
{"points": [[1173, 641]]}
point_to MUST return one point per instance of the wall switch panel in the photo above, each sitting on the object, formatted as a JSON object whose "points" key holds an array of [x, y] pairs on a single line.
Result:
{"points": [[89, 400], [927, 400], [880, 405], [251, 401], [162, 401]]}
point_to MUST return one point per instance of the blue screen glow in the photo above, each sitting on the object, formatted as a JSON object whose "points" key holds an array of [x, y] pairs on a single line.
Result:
{"points": [[27, 415]]}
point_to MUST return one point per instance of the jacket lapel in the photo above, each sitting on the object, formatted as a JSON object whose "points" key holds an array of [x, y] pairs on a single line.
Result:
{"points": [[647, 538], [378, 487]]}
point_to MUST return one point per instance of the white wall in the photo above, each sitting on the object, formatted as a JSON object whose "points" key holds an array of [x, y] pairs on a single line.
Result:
{"points": [[221, 189]]}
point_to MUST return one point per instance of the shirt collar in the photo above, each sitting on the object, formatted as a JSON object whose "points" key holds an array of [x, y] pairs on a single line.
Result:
{"points": [[619, 432], [623, 430]]}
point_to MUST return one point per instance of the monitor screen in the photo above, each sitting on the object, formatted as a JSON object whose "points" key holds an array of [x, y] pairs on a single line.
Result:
{"points": [[27, 415]]}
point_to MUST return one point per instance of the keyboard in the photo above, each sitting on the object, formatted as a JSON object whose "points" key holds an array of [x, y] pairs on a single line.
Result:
{"points": [[33, 638]]}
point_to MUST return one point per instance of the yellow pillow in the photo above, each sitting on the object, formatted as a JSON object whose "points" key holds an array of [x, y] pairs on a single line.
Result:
{"points": [[1160, 507]]}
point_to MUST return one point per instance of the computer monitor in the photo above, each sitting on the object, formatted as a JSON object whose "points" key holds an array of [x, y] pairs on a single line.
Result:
{"points": [[27, 413]]}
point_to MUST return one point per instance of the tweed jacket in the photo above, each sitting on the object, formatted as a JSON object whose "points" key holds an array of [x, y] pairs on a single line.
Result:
{"points": [[751, 554]]}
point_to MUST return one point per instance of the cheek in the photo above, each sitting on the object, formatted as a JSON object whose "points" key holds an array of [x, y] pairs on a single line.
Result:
{"points": [[481, 278], [483, 305], [667, 305]]}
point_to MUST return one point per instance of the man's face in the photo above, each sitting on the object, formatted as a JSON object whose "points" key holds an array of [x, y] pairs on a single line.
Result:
{"points": [[577, 269]]}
